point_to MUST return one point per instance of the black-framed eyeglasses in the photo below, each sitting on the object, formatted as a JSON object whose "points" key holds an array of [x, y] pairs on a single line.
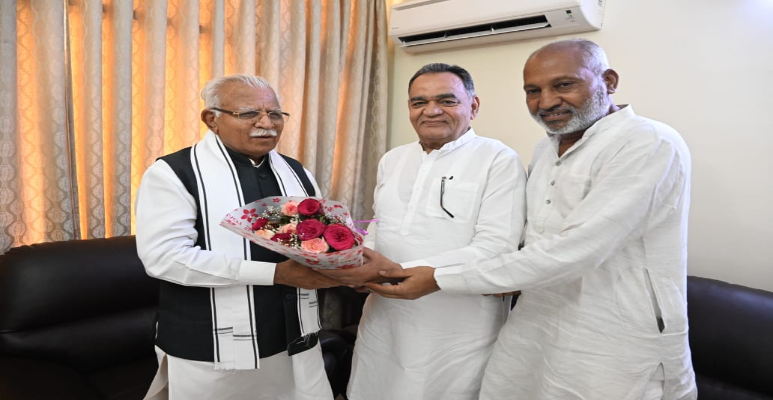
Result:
{"points": [[276, 116], [443, 192]]}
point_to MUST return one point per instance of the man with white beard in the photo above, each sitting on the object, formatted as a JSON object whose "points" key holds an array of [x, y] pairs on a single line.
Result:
{"points": [[602, 313], [235, 320]]}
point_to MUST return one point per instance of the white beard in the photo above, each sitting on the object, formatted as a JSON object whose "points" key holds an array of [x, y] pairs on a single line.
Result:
{"points": [[595, 108]]}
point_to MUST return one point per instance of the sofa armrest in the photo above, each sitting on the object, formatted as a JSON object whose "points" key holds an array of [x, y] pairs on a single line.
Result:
{"points": [[24, 378], [731, 327]]}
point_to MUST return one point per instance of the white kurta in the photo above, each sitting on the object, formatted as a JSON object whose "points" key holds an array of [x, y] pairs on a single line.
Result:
{"points": [[605, 253], [437, 347]]}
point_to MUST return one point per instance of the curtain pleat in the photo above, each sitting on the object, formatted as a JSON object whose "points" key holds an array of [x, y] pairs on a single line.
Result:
{"points": [[309, 119], [117, 115], [94, 91], [148, 87], [45, 204], [85, 84], [181, 127], [321, 158], [373, 112], [11, 221], [211, 44], [240, 36]]}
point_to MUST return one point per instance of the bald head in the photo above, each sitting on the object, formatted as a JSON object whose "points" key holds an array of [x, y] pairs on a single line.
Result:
{"points": [[589, 54]]}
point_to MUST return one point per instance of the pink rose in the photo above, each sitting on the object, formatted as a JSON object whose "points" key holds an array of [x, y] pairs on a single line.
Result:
{"points": [[290, 208], [259, 224], [287, 228], [309, 229], [283, 238], [317, 245], [309, 207], [265, 233], [339, 237]]}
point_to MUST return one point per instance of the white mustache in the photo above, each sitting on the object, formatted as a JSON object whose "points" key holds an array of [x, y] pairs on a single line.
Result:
{"points": [[571, 110], [263, 133]]}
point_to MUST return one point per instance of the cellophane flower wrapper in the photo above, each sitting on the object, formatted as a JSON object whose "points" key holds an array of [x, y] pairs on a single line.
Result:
{"points": [[240, 221]]}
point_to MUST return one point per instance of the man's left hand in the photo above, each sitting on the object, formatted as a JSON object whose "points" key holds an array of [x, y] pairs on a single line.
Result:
{"points": [[368, 272], [418, 282]]}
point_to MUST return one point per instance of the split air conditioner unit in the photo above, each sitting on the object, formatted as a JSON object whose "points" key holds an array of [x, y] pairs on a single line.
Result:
{"points": [[426, 25]]}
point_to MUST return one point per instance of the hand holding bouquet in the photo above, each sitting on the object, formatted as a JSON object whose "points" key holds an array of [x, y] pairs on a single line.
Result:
{"points": [[314, 232]]}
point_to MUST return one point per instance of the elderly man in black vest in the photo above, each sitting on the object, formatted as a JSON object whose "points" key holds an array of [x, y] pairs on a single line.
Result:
{"points": [[235, 320]]}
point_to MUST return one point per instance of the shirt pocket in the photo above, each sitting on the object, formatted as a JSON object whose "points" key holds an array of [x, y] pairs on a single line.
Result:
{"points": [[570, 190], [460, 199]]}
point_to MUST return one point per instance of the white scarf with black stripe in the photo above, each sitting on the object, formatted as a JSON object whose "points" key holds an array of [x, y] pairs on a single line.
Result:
{"points": [[233, 316]]}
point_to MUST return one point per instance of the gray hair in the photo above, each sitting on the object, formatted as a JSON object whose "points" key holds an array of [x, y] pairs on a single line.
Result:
{"points": [[593, 56], [211, 92], [436, 68]]}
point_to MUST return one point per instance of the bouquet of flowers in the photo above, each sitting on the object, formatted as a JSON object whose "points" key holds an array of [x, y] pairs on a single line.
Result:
{"points": [[315, 232]]}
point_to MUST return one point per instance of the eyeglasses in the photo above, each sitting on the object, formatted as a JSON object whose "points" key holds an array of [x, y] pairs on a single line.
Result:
{"points": [[275, 116], [442, 192]]}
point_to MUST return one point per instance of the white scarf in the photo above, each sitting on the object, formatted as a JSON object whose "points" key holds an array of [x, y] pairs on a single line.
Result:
{"points": [[233, 316]]}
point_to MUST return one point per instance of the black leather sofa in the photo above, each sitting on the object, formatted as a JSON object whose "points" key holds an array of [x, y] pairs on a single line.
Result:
{"points": [[77, 322], [731, 339]]}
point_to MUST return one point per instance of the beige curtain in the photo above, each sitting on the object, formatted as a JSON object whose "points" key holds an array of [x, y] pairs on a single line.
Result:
{"points": [[93, 91]]}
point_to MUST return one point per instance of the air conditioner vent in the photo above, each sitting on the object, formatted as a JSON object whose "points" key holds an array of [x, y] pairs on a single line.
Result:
{"points": [[512, 25], [423, 37]]}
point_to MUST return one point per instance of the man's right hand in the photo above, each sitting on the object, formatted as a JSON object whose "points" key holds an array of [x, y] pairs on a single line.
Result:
{"points": [[293, 273]]}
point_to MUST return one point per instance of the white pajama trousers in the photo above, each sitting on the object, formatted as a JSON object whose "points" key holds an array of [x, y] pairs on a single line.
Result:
{"points": [[280, 377]]}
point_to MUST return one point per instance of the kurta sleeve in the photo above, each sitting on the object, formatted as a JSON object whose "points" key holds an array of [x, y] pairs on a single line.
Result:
{"points": [[166, 236], [638, 187], [500, 220]]}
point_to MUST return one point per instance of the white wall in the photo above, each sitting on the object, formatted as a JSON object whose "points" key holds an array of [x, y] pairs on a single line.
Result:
{"points": [[704, 67]]}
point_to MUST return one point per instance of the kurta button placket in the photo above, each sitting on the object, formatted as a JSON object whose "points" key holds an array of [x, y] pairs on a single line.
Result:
{"points": [[421, 179], [549, 191]]}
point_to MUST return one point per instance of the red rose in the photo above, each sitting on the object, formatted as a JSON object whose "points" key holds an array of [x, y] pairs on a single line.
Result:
{"points": [[309, 207], [339, 237], [309, 229], [283, 238], [260, 223]]}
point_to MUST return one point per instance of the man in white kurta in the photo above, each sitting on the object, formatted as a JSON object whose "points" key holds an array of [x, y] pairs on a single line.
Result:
{"points": [[602, 314], [436, 348]]}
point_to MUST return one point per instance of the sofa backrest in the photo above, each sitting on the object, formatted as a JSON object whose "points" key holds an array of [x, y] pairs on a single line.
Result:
{"points": [[731, 339], [87, 304]]}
